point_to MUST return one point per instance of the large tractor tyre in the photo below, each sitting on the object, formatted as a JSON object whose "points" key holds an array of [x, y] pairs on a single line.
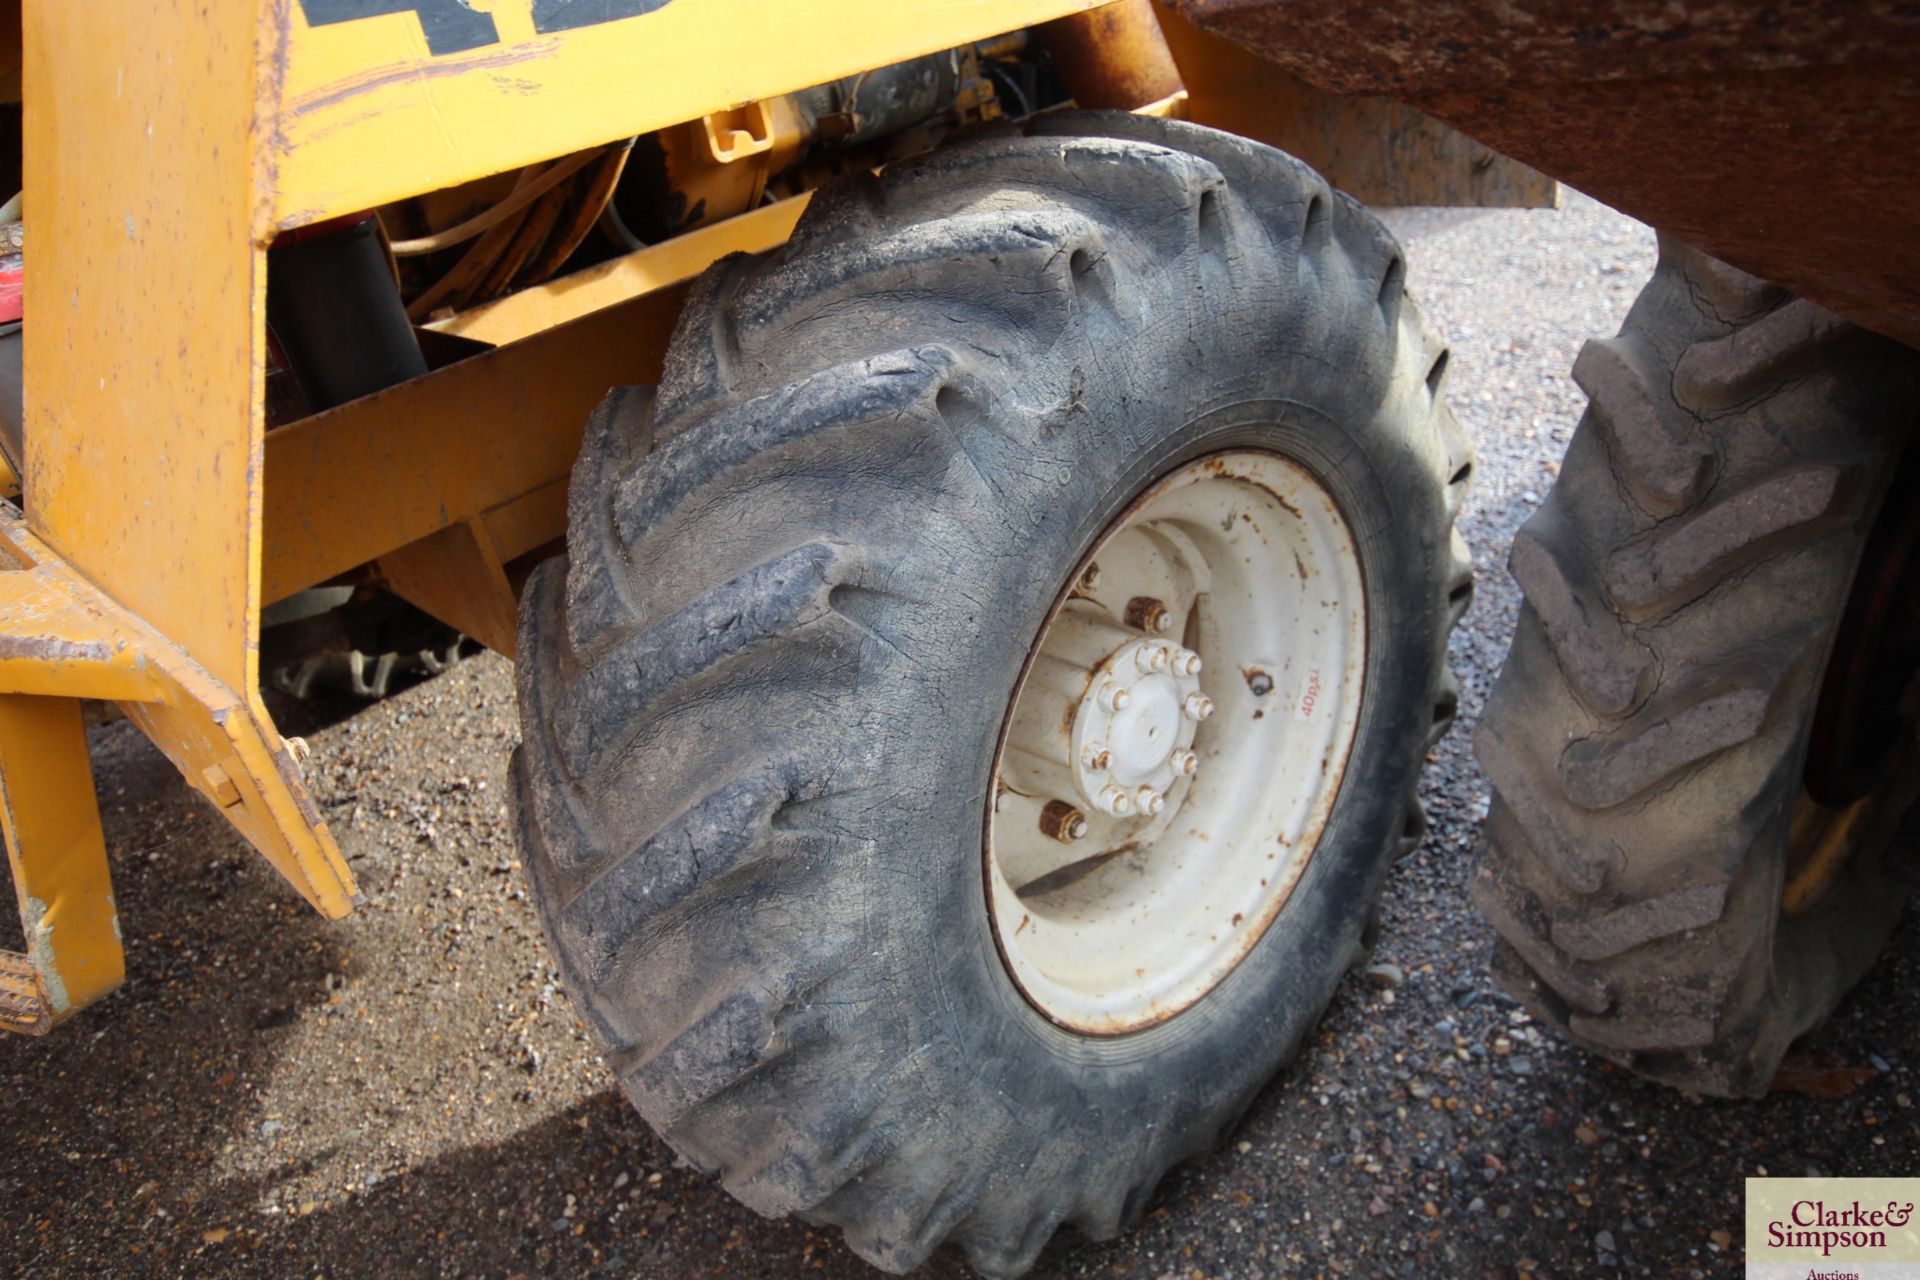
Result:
{"points": [[849, 935], [1701, 745]]}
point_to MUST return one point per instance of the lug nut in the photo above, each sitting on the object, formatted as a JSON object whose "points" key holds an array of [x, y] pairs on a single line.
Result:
{"points": [[1062, 821], [1198, 706], [1114, 698], [1147, 614], [1185, 763], [1188, 663], [1150, 801], [1153, 657], [1098, 759], [1116, 802]]}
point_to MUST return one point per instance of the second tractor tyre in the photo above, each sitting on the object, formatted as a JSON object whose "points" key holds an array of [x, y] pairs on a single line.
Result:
{"points": [[1672, 881], [763, 694]]}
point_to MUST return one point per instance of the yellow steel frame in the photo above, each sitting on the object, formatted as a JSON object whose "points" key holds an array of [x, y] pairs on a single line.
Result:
{"points": [[166, 143]]}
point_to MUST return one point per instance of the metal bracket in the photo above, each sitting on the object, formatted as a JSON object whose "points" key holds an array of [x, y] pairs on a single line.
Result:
{"points": [[63, 639]]}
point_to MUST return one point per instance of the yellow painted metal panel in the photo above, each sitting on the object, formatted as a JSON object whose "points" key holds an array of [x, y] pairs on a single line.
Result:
{"points": [[142, 364], [529, 522], [222, 742], [58, 852], [457, 576], [370, 112], [351, 484], [55, 648], [670, 262]]}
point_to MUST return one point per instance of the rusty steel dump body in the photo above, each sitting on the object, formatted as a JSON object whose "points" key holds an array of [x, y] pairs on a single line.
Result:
{"points": [[1777, 137]]}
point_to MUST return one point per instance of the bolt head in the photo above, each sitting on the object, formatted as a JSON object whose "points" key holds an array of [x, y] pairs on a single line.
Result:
{"points": [[1062, 821], [1114, 698], [1097, 758], [1149, 801], [1198, 706], [1189, 663], [1116, 802], [1149, 615], [1186, 763]]}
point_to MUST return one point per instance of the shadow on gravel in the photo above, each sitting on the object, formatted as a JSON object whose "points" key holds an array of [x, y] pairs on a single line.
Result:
{"points": [[497, 1210], [115, 1110], [631, 1210]]}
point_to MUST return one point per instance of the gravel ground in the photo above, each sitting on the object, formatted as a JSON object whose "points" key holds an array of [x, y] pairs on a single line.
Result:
{"points": [[409, 1093]]}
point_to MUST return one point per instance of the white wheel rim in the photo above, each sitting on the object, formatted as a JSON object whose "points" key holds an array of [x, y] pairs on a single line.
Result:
{"points": [[1112, 917]]}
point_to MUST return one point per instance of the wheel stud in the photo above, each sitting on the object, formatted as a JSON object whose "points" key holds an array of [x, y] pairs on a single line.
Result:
{"points": [[1186, 763], [1097, 758], [1198, 706], [1062, 822], [1188, 663], [1114, 698], [1150, 802], [1116, 802]]}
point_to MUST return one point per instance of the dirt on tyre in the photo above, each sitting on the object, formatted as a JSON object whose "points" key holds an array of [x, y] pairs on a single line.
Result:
{"points": [[765, 696], [1692, 795]]}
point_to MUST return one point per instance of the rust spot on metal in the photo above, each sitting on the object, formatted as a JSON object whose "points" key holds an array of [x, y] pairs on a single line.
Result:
{"points": [[1113, 56], [1082, 587], [1715, 122], [24, 1007], [1061, 821], [1402, 47], [1258, 681], [53, 649], [1147, 614]]}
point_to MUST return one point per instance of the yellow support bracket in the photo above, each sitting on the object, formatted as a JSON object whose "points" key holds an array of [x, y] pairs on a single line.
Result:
{"points": [[64, 639], [59, 861]]}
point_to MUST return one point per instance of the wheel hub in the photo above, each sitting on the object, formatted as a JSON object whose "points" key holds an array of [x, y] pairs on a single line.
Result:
{"points": [[1133, 728]]}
